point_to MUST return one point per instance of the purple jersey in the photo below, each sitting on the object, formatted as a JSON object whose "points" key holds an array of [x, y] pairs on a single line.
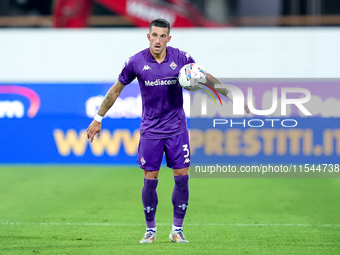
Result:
{"points": [[162, 99]]}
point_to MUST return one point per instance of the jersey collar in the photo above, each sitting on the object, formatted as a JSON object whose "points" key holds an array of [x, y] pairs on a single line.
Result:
{"points": [[152, 59]]}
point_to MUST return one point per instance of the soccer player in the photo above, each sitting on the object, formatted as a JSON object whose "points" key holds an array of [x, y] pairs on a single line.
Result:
{"points": [[163, 127]]}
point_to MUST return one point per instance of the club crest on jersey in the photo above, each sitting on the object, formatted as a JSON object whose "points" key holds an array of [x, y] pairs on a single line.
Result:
{"points": [[173, 65], [146, 67], [142, 160]]}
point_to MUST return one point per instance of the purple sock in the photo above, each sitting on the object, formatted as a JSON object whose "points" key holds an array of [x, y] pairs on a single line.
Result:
{"points": [[180, 197], [150, 201]]}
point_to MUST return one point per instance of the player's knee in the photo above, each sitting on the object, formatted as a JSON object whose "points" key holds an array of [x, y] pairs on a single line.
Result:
{"points": [[150, 175], [182, 171]]}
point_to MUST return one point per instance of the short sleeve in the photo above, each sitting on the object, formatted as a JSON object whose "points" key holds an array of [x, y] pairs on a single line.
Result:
{"points": [[188, 58], [127, 75]]}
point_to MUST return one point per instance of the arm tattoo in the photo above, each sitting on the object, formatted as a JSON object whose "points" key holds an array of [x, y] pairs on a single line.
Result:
{"points": [[109, 100], [105, 106], [212, 81]]}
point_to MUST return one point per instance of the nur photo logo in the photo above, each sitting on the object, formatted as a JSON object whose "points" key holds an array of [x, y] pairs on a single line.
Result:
{"points": [[239, 101]]}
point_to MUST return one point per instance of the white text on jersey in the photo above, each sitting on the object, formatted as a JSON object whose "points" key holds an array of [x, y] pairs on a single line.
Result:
{"points": [[160, 82]]}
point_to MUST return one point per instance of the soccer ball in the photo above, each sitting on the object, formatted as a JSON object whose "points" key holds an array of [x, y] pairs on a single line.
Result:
{"points": [[192, 76]]}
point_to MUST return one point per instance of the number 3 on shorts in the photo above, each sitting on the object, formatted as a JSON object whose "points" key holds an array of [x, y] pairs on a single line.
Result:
{"points": [[185, 148]]}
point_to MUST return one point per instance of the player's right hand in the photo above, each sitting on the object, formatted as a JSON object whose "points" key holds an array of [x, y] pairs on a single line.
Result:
{"points": [[93, 130]]}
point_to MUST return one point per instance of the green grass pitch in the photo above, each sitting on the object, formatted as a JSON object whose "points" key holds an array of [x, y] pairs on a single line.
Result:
{"points": [[97, 210]]}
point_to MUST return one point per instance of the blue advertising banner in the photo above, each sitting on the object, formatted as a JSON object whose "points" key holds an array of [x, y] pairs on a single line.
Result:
{"points": [[46, 123], [293, 123], [312, 140]]}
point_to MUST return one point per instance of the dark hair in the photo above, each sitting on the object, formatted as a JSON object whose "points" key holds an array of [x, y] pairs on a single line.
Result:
{"points": [[160, 23]]}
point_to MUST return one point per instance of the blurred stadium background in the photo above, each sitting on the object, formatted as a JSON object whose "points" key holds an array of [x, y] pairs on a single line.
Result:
{"points": [[190, 13], [58, 59]]}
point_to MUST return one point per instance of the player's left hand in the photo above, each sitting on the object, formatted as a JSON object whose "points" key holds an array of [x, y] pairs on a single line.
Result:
{"points": [[246, 108]]}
